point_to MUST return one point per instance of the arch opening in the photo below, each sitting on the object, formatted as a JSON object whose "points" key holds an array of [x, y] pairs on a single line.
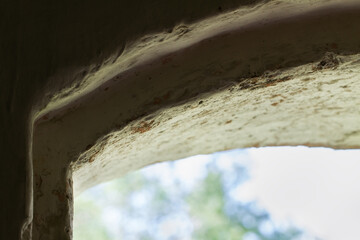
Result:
{"points": [[271, 92], [256, 193]]}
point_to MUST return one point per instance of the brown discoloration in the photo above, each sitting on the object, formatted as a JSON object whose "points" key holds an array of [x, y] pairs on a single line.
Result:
{"points": [[45, 117], [334, 45], [255, 145], [159, 100], [272, 82], [92, 159], [262, 82], [166, 60], [166, 96], [248, 84], [228, 121], [60, 195], [276, 95], [143, 127], [203, 113], [274, 104]]}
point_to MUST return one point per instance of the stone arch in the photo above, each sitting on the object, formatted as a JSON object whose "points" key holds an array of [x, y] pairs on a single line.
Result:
{"points": [[278, 74]]}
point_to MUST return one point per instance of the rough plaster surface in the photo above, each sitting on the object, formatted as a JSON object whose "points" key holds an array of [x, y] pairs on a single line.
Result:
{"points": [[315, 105], [141, 51], [284, 74], [277, 78], [104, 101]]}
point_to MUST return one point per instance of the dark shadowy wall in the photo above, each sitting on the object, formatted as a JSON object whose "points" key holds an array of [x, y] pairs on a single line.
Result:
{"points": [[43, 39]]}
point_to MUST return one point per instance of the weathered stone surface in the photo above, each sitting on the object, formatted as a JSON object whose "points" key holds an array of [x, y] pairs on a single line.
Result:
{"points": [[295, 106], [108, 95]]}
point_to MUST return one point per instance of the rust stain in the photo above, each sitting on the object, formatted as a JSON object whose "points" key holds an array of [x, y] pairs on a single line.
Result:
{"points": [[92, 159], [256, 145], [159, 100], [166, 96], [256, 83], [59, 194], [166, 60], [334, 45], [143, 127], [249, 84]]}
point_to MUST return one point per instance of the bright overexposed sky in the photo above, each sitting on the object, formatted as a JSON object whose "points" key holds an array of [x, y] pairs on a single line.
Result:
{"points": [[317, 189]]}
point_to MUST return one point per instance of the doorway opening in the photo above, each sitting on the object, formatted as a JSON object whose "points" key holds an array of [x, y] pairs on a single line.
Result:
{"points": [[258, 193]]}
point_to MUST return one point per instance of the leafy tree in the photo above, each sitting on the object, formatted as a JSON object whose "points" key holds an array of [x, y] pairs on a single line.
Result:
{"points": [[149, 207], [208, 206]]}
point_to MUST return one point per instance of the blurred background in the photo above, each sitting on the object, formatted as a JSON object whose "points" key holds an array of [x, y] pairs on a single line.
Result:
{"points": [[273, 193]]}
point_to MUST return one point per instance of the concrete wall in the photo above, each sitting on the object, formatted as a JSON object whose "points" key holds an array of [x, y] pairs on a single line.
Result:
{"points": [[91, 90]]}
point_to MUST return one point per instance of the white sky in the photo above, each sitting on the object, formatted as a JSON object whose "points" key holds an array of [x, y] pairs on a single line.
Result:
{"points": [[318, 188]]}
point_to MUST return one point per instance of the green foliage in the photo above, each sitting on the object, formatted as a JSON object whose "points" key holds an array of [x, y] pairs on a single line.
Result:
{"points": [[207, 204], [149, 206], [88, 224]]}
